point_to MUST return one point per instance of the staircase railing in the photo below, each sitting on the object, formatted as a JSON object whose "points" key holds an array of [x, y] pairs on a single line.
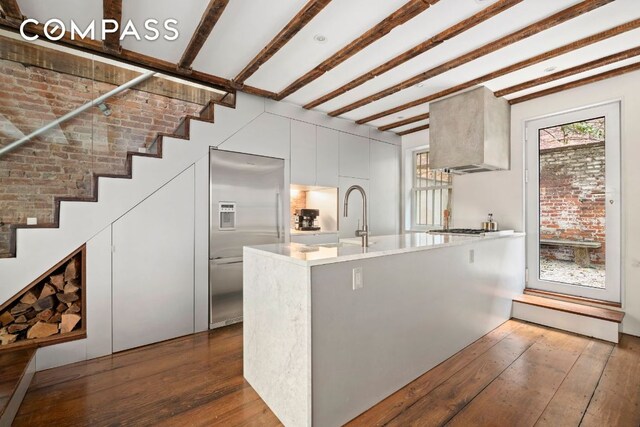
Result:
{"points": [[96, 102]]}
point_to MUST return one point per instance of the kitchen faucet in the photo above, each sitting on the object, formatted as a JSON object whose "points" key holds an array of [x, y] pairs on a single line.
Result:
{"points": [[364, 232]]}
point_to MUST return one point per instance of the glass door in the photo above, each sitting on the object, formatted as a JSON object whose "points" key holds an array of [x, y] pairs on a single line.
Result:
{"points": [[573, 203]]}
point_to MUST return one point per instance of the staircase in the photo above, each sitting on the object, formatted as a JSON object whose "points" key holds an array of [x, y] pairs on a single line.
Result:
{"points": [[182, 131], [582, 319], [77, 220]]}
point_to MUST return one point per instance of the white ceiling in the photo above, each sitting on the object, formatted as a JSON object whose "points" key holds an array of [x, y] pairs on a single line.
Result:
{"points": [[187, 13], [80, 11], [340, 22], [243, 30], [246, 26]]}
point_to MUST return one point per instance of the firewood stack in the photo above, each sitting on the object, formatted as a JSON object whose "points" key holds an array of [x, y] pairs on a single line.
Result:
{"points": [[50, 307]]}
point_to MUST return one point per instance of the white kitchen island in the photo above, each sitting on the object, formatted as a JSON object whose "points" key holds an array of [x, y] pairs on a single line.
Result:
{"points": [[320, 352]]}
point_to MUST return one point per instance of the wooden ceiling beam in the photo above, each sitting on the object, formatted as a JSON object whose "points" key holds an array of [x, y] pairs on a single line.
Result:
{"points": [[112, 9], [598, 37], [257, 91], [408, 11], [404, 122], [11, 9], [302, 18], [528, 31], [419, 49], [597, 63], [133, 58], [209, 19], [32, 54], [577, 83], [414, 130]]}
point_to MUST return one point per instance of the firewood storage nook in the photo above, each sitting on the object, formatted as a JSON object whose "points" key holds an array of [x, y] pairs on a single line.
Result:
{"points": [[50, 310]]}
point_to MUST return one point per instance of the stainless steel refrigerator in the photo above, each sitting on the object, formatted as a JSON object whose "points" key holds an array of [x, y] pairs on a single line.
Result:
{"points": [[246, 209]]}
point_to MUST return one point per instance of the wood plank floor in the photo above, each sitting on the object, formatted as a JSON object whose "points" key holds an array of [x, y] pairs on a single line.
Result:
{"points": [[12, 367], [517, 375]]}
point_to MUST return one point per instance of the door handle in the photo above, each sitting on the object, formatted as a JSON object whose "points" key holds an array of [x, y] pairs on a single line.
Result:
{"points": [[278, 215], [226, 261]]}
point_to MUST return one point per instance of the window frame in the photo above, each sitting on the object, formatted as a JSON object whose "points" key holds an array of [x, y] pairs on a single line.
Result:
{"points": [[427, 188]]}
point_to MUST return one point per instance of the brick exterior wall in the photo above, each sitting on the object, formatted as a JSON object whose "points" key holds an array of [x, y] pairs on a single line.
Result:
{"points": [[572, 198], [61, 162]]}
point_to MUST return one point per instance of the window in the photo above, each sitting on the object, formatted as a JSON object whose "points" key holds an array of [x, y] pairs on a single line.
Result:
{"points": [[431, 193]]}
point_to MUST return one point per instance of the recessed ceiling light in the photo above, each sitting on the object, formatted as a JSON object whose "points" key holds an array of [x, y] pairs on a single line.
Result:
{"points": [[400, 117], [420, 85], [320, 38], [550, 69]]}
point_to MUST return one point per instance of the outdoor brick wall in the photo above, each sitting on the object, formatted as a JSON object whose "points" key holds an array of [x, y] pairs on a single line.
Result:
{"points": [[61, 163], [572, 198]]}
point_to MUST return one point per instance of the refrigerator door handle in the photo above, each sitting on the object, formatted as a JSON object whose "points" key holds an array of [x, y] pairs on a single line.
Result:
{"points": [[278, 214], [231, 262], [225, 261]]}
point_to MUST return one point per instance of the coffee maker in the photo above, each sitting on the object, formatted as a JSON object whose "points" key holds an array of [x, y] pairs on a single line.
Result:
{"points": [[307, 219]]}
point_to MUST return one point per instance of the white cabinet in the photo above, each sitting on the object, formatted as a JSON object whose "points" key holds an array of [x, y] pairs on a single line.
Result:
{"points": [[303, 153], [354, 156], [268, 135], [315, 154], [153, 278], [384, 198], [328, 157]]}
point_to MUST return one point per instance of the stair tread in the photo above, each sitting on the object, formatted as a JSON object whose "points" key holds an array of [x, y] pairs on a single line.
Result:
{"points": [[570, 307], [13, 365]]}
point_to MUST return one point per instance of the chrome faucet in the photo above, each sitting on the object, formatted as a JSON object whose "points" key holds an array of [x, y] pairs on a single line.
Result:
{"points": [[364, 232]]}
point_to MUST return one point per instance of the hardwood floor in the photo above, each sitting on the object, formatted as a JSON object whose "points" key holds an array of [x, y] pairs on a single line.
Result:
{"points": [[519, 374], [12, 368]]}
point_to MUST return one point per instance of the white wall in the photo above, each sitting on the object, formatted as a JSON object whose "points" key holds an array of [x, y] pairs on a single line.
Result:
{"points": [[503, 192]]}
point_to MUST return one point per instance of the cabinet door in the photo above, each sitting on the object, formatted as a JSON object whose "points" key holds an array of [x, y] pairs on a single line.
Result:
{"points": [[268, 135], [303, 153], [153, 259], [328, 157], [354, 156], [314, 239], [384, 201]]}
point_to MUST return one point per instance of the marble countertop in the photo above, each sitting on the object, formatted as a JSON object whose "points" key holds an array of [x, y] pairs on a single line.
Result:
{"points": [[311, 232], [350, 249]]}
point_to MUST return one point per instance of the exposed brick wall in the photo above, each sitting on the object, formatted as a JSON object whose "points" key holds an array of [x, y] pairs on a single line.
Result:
{"points": [[572, 198], [298, 201], [61, 163]]}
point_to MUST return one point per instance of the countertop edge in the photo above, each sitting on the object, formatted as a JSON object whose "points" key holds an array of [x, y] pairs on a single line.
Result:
{"points": [[310, 232], [355, 257]]}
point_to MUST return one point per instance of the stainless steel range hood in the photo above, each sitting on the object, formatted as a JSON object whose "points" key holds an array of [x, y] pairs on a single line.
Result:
{"points": [[469, 132]]}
